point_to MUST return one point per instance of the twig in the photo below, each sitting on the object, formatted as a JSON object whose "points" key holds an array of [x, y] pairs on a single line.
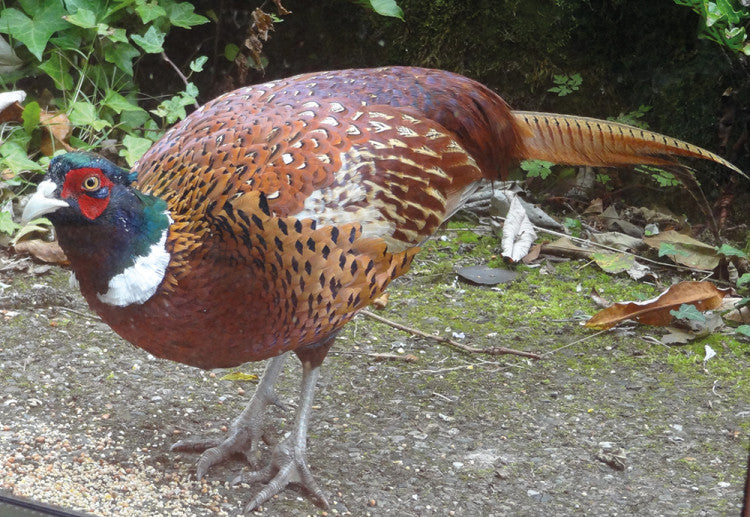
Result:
{"points": [[497, 350], [179, 73], [576, 342], [73, 311]]}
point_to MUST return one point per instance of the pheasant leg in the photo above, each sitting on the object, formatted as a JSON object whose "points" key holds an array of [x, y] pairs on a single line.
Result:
{"points": [[246, 430], [288, 461]]}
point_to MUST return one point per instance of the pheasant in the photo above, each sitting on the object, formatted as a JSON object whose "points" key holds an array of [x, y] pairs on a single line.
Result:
{"points": [[265, 220]]}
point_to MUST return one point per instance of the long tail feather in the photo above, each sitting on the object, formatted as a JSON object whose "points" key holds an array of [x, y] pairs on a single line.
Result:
{"points": [[588, 141]]}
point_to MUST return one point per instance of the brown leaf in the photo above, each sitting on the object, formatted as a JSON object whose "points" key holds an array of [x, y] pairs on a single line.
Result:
{"points": [[564, 247], [257, 34], [381, 301], [46, 251], [596, 207], [703, 295], [58, 132], [12, 113], [281, 9], [690, 252], [533, 254]]}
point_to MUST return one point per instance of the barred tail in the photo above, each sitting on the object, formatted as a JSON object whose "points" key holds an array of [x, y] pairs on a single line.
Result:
{"points": [[588, 141]]}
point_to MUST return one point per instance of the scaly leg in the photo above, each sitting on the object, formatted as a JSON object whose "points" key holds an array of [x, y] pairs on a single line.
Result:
{"points": [[288, 462], [245, 432]]}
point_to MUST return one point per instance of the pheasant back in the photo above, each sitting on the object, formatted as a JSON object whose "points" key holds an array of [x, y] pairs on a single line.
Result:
{"points": [[294, 204]]}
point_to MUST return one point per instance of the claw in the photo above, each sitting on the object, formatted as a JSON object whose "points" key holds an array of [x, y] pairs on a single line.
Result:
{"points": [[288, 464], [246, 431]]}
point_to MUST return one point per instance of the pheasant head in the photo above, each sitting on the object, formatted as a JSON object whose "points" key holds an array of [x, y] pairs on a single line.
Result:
{"points": [[113, 234]]}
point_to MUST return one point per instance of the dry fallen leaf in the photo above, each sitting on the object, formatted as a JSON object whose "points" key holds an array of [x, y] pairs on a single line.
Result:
{"points": [[689, 252], [46, 251], [381, 301], [10, 106], [703, 295], [58, 132]]}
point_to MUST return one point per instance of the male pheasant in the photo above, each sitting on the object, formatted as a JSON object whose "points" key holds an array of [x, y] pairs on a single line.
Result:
{"points": [[266, 219]]}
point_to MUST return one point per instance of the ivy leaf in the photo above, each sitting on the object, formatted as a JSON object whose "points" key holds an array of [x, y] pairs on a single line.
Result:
{"points": [[15, 158], [730, 251], [149, 11], [84, 114], [134, 148], [387, 8], [668, 248], [82, 18], [537, 168], [183, 15], [197, 64], [30, 116], [57, 69], [36, 32], [7, 225], [151, 42], [112, 34], [688, 312], [122, 57], [230, 51], [118, 103]]}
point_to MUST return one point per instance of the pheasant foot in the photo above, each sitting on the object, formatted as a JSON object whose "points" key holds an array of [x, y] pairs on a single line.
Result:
{"points": [[288, 461], [245, 432]]}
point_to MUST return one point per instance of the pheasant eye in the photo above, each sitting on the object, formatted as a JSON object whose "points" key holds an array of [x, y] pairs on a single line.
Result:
{"points": [[91, 183]]}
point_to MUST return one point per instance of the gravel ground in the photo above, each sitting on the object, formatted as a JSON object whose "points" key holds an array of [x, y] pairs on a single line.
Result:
{"points": [[605, 427]]}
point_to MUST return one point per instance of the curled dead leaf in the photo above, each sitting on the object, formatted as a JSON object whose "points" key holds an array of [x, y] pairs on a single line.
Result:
{"points": [[703, 295], [381, 301]]}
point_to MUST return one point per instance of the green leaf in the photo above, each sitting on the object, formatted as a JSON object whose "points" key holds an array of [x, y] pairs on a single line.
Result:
{"points": [[197, 64], [387, 8], [57, 69], [36, 32], [6, 223], [667, 248], [83, 113], [112, 34], [151, 42], [191, 90], [230, 51], [688, 312], [122, 57], [730, 251], [537, 168], [614, 263], [82, 18], [744, 279], [118, 103], [131, 120], [183, 15], [149, 11], [239, 376], [134, 148], [15, 158], [743, 329], [41, 225], [30, 116]]}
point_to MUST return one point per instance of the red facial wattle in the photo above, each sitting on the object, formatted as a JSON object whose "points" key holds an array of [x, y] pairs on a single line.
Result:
{"points": [[90, 187]]}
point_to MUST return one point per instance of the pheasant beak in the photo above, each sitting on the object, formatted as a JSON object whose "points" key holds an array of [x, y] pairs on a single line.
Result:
{"points": [[42, 202]]}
